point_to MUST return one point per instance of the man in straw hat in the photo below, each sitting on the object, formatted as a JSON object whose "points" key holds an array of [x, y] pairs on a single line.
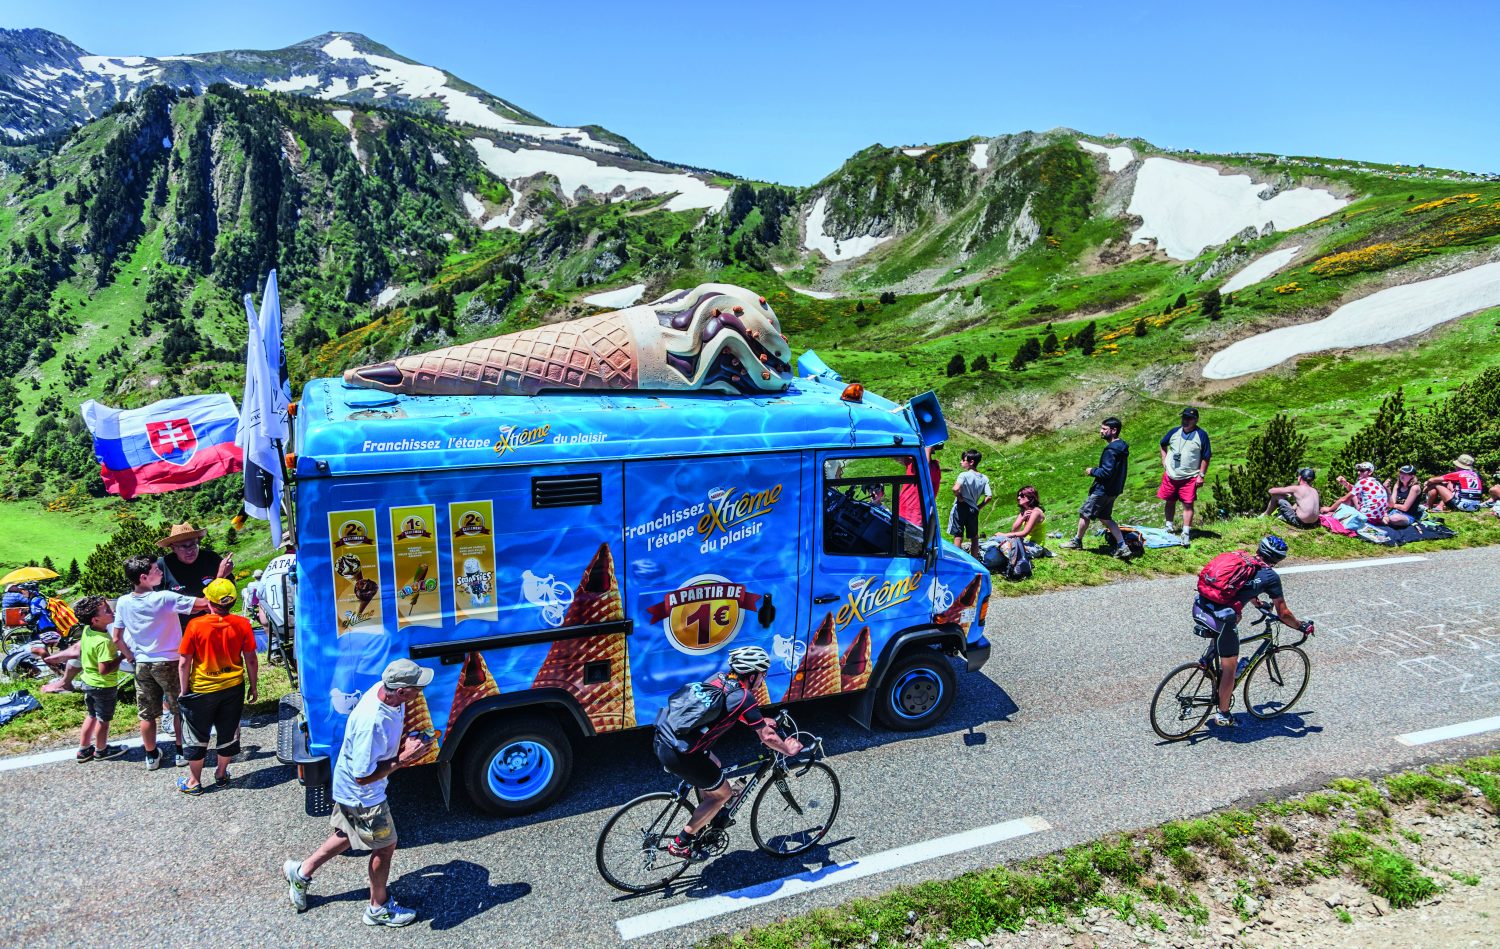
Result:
{"points": [[187, 566], [1460, 490], [373, 748]]}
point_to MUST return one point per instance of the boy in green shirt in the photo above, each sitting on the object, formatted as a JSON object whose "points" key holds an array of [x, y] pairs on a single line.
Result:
{"points": [[100, 678]]}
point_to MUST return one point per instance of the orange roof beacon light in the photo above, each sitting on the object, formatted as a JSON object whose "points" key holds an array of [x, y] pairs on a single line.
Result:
{"points": [[853, 392]]}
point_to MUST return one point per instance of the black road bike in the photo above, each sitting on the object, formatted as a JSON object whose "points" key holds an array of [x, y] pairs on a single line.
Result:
{"points": [[1275, 676], [797, 803]]}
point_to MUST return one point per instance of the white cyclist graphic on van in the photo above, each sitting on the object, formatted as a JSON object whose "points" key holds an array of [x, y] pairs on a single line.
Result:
{"points": [[548, 593]]}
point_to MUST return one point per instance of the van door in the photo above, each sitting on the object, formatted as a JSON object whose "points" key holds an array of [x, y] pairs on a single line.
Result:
{"points": [[714, 556], [870, 577]]}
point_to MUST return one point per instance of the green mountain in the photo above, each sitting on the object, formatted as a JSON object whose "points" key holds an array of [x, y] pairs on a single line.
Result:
{"points": [[1036, 280]]}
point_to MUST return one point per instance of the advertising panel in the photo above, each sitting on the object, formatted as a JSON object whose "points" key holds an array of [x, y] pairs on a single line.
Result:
{"points": [[356, 571]]}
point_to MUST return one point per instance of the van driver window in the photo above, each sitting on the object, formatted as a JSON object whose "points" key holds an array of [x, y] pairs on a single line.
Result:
{"points": [[860, 503]]}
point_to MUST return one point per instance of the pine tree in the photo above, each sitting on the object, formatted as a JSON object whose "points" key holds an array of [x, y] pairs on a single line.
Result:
{"points": [[71, 576], [1140, 326], [48, 564], [1029, 351], [1272, 458], [104, 569], [1390, 441], [981, 363], [956, 365], [231, 537], [1180, 302], [1050, 344], [1213, 304], [859, 307], [1085, 339]]}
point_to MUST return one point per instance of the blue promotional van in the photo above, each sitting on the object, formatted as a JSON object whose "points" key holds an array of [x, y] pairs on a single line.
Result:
{"points": [[564, 561]]}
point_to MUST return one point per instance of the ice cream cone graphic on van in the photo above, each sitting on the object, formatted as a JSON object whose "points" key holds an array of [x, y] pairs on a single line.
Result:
{"points": [[419, 719], [966, 600], [762, 694], [474, 683], [854, 670], [609, 703], [819, 672]]}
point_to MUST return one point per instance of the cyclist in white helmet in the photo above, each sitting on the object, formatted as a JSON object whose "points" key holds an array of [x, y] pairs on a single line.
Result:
{"points": [[698, 715]]}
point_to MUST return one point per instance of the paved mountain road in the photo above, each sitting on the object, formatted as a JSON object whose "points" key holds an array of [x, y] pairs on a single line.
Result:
{"points": [[1054, 728]]}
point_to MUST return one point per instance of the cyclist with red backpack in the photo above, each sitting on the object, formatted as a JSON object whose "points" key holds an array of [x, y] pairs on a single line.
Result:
{"points": [[698, 715], [1225, 585]]}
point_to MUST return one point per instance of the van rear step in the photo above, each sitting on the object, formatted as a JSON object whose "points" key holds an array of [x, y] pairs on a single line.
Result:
{"points": [[291, 743]]}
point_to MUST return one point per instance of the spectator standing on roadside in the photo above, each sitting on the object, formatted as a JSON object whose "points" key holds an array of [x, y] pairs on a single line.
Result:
{"points": [[1366, 494], [100, 674], [187, 566], [373, 748], [971, 492], [1297, 504], [277, 587], [1185, 452], [217, 651], [147, 633], [1109, 484], [909, 501]]}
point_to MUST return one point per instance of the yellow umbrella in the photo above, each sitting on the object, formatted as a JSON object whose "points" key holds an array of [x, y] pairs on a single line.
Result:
{"points": [[22, 574]]}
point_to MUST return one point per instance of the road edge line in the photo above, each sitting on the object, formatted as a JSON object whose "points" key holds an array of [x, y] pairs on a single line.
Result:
{"points": [[1428, 736]]}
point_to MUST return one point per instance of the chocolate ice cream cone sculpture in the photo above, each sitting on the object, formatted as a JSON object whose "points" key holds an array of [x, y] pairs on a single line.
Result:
{"points": [[419, 719], [854, 670], [819, 672], [610, 705], [966, 600], [474, 683]]}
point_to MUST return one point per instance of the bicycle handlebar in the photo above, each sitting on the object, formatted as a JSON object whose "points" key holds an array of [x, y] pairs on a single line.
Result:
{"points": [[1268, 615]]}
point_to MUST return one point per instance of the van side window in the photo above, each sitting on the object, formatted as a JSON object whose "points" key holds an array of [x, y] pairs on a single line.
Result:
{"points": [[860, 503]]}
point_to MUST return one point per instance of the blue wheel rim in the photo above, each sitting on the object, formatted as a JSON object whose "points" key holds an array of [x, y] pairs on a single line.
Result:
{"points": [[916, 694], [521, 770]]}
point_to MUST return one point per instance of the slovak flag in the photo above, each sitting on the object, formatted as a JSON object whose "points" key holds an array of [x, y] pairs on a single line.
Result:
{"points": [[171, 444]]}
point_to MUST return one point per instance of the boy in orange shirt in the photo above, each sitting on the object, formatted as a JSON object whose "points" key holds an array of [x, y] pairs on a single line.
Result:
{"points": [[216, 651]]}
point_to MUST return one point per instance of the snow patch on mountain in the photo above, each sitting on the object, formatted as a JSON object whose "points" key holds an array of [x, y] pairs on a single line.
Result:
{"points": [[914, 152], [439, 157], [834, 248], [297, 83], [473, 205], [1381, 317], [387, 295], [129, 68], [614, 299], [1260, 269], [1189, 207], [815, 294], [980, 155], [1117, 157], [577, 171], [346, 119]]}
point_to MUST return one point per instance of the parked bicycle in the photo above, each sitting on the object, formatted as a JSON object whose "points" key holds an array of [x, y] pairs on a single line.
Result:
{"points": [[1274, 677], [797, 803]]}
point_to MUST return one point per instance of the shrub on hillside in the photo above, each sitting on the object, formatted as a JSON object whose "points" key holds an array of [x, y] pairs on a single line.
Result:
{"points": [[1213, 304], [1468, 421], [981, 363], [1140, 326], [1050, 344], [956, 365], [104, 570], [1084, 341], [1272, 458], [1389, 441], [1028, 351]]}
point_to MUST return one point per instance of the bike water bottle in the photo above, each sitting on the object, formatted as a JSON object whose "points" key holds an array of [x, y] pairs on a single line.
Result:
{"points": [[1239, 670]]}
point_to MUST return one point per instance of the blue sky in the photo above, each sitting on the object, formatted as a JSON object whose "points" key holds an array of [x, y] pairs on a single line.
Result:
{"points": [[787, 91]]}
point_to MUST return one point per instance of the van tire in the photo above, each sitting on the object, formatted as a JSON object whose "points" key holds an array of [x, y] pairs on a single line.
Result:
{"points": [[917, 692], [538, 760]]}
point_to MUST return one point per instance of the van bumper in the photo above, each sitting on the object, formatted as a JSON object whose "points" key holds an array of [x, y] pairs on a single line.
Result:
{"points": [[977, 654]]}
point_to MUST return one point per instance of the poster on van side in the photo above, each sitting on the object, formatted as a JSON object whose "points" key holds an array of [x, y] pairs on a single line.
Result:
{"points": [[356, 571], [416, 566], [470, 523]]}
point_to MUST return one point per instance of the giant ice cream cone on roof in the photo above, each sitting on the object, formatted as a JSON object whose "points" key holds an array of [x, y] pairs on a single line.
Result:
{"points": [[819, 672], [474, 683], [419, 719], [609, 704], [854, 670], [966, 600]]}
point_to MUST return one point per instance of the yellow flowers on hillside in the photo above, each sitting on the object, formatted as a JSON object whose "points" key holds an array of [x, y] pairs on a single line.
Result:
{"points": [[1288, 288], [1465, 226], [1443, 202]]}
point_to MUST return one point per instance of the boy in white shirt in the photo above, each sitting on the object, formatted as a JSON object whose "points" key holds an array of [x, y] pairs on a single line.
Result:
{"points": [[147, 633]]}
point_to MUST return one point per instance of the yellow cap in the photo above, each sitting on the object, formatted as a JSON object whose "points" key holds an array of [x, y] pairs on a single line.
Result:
{"points": [[220, 592]]}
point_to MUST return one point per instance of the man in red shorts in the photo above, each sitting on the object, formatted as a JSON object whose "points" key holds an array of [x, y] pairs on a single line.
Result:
{"points": [[1185, 452]]}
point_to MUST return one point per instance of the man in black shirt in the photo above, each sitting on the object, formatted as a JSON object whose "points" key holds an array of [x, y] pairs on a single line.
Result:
{"points": [[188, 566], [1109, 483]]}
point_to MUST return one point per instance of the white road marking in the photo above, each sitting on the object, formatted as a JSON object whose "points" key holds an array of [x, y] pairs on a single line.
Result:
{"points": [[698, 910], [1349, 564], [1430, 735], [65, 754]]}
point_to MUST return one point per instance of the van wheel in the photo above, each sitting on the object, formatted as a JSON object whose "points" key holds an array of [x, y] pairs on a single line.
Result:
{"points": [[917, 692], [519, 765]]}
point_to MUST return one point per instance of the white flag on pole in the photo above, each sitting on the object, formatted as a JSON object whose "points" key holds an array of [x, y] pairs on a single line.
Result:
{"points": [[262, 466], [278, 391]]}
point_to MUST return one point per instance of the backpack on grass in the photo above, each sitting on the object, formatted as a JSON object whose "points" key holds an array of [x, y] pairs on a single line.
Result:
{"points": [[1222, 578]]}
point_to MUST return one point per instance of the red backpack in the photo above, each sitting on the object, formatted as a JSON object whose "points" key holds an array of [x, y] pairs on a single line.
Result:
{"points": [[1222, 578]]}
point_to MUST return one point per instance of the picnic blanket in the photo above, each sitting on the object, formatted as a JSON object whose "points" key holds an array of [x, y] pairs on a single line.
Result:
{"points": [[1155, 537], [1412, 533], [1335, 525], [17, 704]]}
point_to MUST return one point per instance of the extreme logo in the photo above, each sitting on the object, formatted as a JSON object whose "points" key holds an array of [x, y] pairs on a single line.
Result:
{"points": [[729, 512], [870, 595], [704, 614], [512, 438]]}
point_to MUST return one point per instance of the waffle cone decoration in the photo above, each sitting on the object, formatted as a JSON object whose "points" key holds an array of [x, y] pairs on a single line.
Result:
{"points": [[715, 336], [419, 719], [966, 600], [854, 670], [610, 704], [819, 672], [474, 683]]}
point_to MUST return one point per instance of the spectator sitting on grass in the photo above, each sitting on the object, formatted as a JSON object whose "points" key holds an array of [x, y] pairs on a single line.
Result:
{"points": [[101, 676], [1366, 494], [1459, 490], [1405, 492], [1029, 518], [1297, 504]]}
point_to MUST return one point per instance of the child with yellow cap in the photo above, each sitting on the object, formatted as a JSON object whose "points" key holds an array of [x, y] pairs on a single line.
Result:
{"points": [[216, 651]]}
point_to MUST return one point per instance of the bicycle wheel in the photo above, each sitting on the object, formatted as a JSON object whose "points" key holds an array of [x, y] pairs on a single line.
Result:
{"points": [[631, 852], [1277, 682], [1183, 701], [795, 808]]}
